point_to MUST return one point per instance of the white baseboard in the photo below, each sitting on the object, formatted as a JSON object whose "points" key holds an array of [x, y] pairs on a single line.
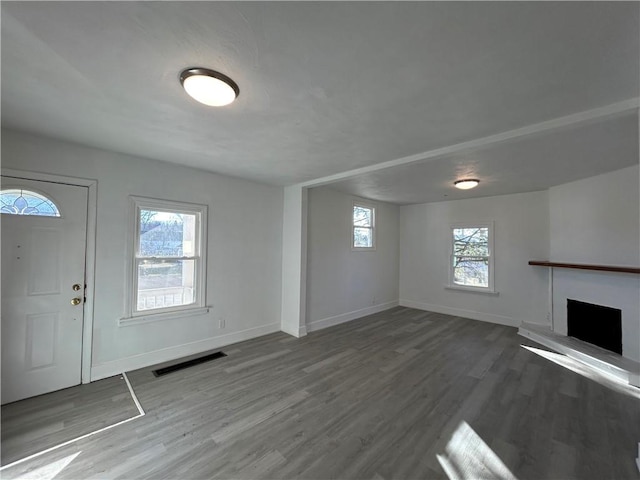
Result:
{"points": [[459, 312], [116, 367], [347, 317], [295, 332]]}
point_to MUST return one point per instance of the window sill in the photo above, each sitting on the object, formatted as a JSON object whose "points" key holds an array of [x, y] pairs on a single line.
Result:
{"points": [[157, 317], [480, 290]]}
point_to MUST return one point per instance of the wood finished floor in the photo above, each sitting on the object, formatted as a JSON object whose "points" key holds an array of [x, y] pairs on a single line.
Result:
{"points": [[36, 424], [399, 394]]}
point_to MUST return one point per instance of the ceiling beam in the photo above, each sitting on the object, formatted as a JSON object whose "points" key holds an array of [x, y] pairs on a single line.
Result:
{"points": [[536, 128]]}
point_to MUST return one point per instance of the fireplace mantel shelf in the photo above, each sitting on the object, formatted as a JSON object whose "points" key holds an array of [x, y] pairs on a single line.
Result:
{"points": [[582, 266]]}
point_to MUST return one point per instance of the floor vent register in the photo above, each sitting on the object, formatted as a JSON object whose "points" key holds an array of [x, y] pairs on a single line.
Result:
{"points": [[189, 363]]}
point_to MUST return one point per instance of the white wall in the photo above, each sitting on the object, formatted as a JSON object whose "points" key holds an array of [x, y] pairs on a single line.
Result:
{"points": [[244, 250], [597, 221], [343, 284], [521, 233], [294, 261]]}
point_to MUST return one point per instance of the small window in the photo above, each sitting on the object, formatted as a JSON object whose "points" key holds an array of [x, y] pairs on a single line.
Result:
{"points": [[363, 232], [168, 264], [25, 202], [472, 256]]}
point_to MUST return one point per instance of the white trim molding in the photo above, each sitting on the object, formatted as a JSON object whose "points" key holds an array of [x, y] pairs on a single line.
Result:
{"points": [[347, 317], [459, 312], [156, 317], [90, 253], [489, 225], [134, 362], [133, 257], [300, 332], [367, 205], [482, 291]]}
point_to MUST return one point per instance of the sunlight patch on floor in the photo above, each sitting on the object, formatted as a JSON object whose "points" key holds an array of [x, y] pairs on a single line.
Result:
{"points": [[50, 471], [598, 376], [468, 457]]}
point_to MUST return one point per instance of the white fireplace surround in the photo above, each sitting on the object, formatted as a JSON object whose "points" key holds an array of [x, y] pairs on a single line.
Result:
{"points": [[610, 289], [595, 221]]}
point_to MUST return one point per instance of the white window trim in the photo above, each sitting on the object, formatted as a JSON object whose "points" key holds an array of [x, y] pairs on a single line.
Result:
{"points": [[165, 315], [373, 227], [131, 316], [490, 289]]}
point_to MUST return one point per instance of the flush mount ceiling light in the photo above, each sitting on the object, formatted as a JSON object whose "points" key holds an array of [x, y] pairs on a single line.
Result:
{"points": [[466, 184], [209, 87]]}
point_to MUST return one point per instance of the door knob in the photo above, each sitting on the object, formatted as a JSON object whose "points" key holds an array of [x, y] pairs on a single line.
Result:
{"points": [[76, 301], [76, 287]]}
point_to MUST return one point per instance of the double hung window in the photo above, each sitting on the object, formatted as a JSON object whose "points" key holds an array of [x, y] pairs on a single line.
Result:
{"points": [[471, 263], [363, 227], [168, 267]]}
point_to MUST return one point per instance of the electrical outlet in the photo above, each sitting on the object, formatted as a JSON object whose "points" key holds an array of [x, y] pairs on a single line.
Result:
{"points": [[222, 323]]}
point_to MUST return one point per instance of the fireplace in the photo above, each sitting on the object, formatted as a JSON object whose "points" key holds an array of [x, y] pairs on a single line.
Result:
{"points": [[595, 324]]}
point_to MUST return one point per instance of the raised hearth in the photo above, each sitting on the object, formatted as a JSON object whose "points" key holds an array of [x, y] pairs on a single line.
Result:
{"points": [[623, 368]]}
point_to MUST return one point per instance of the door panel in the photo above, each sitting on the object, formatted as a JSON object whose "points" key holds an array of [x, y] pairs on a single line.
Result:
{"points": [[41, 341], [42, 258], [44, 261]]}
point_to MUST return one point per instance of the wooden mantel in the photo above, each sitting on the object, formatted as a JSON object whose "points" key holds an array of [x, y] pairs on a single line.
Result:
{"points": [[582, 266]]}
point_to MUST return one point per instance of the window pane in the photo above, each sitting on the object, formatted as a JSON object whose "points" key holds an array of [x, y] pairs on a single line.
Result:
{"points": [[165, 283], [362, 217], [362, 237], [471, 241], [167, 234], [473, 272], [24, 202]]}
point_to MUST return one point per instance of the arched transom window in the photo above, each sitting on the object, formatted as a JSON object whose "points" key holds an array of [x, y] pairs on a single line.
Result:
{"points": [[16, 201]]}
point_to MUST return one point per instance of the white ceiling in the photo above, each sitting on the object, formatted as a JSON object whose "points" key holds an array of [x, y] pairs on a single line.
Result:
{"points": [[327, 87], [527, 164]]}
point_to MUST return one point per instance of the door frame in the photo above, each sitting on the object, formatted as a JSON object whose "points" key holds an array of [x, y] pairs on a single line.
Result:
{"points": [[90, 252]]}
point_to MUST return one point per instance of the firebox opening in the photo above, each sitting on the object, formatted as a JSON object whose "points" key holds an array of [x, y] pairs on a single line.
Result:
{"points": [[595, 324]]}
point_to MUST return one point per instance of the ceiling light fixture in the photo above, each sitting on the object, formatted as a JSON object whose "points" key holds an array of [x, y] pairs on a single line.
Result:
{"points": [[209, 87], [466, 184]]}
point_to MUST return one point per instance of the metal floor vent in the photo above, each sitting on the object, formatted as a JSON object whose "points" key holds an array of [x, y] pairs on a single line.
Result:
{"points": [[189, 363]]}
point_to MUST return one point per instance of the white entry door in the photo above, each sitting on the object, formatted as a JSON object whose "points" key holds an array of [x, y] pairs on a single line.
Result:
{"points": [[43, 286]]}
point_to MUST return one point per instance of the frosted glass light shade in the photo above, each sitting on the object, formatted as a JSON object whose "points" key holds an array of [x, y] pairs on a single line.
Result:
{"points": [[466, 184], [209, 87]]}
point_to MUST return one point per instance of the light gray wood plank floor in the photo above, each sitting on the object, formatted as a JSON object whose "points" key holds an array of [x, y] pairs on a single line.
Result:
{"points": [[399, 394], [36, 424]]}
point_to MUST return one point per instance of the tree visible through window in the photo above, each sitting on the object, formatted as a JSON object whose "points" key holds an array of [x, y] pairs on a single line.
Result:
{"points": [[471, 258], [363, 226], [168, 261]]}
